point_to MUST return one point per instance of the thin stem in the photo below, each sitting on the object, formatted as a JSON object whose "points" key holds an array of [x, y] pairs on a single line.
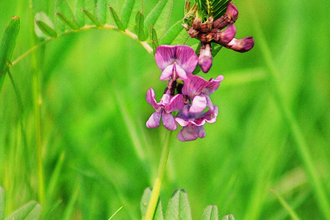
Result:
{"points": [[160, 175], [296, 132], [85, 28], [37, 111]]}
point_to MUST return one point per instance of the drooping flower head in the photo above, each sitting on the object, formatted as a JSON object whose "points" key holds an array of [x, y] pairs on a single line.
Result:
{"points": [[164, 108], [175, 61]]}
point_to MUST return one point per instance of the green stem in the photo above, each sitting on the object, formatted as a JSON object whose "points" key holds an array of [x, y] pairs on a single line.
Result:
{"points": [[160, 175], [291, 121], [37, 111]]}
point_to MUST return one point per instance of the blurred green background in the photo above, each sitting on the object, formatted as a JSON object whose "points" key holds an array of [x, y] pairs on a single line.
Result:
{"points": [[98, 155]]}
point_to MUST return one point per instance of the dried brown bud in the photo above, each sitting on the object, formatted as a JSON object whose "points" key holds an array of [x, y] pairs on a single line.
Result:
{"points": [[192, 32], [197, 24], [222, 22], [207, 25], [205, 38]]}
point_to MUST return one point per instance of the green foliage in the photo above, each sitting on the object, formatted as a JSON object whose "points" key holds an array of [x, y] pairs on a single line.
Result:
{"points": [[210, 213], [116, 19], [144, 204], [7, 45], [30, 211], [44, 27], [126, 12], [87, 5], [47, 30], [92, 18], [214, 8], [101, 11], [139, 27]]}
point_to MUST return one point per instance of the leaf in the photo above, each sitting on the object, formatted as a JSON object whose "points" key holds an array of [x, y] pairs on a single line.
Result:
{"points": [[172, 33], [163, 20], [154, 39], [178, 206], [214, 8], [210, 213], [116, 19], [65, 14], [2, 203], [45, 28], [67, 21], [154, 14], [92, 18], [101, 11], [89, 6], [144, 205], [30, 211], [182, 37], [7, 45], [228, 217], [139, 27], [126, 12]]}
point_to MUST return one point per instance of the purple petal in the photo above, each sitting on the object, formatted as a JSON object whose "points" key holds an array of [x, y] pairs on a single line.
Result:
{"points": [[188, 133], [211, 116], [167, 73], [180, 72], [194, 85], [241, 45], [168, 121], [212, 85], [205, 58], [153, 121], [176, 103], [181, 121], [150, 97], [201, 132], [165, 56], [198, 104], [186, 58], [232, 11], [228, 34]]}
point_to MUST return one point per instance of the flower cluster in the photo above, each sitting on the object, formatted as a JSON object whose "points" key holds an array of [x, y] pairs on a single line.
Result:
{"points": [[220, 31], [185, 93]]}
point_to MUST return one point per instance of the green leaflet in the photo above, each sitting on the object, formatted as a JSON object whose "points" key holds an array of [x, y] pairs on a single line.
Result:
{"points": [[214, 8], [44, 27], [92, 18], [153, 38], [7, 45], [67, 21], [126, 12], [228, 217], [178, 206], [116, 19], [89, 6], [154, 14], [172, 33], [163, 21], [101, 11], [210, 213], [144, 205], [139, 27], [2, 203], [64, 13], [30, 211]]}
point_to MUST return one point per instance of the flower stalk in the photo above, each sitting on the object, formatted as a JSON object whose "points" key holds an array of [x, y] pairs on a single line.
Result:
{"points": [[159, 179]]}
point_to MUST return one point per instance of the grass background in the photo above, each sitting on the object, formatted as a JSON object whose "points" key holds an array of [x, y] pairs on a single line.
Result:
{"points": [[98, 155]]}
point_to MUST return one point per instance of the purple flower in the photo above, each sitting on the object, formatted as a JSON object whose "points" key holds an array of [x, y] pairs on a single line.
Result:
{"points": [[224, 37], [193, 123], [163, 109], [198, 90], [175, 61], [241, 45], [205, 57]]}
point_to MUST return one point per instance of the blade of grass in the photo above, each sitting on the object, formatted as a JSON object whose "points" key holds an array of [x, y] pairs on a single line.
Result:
{"points": [[285, 205]]}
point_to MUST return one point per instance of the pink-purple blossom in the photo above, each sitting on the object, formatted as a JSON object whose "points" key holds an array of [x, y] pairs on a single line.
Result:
{"points": [[175, 61], [164, 108]]}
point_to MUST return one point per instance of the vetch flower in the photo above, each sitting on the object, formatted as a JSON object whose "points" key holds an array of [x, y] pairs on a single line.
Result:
{"points": [[193, 122], [198, 90], [241, 45], [175, 61], [205, 57], [163, 109]]}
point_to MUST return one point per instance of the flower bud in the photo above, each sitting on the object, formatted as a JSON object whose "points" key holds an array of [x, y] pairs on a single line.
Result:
{"points": [[197, 24], [232, 12], [224, 37], [221, 22], [207, 26], [241, 45], [192, 32], [205, 38], [205, 58]]}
